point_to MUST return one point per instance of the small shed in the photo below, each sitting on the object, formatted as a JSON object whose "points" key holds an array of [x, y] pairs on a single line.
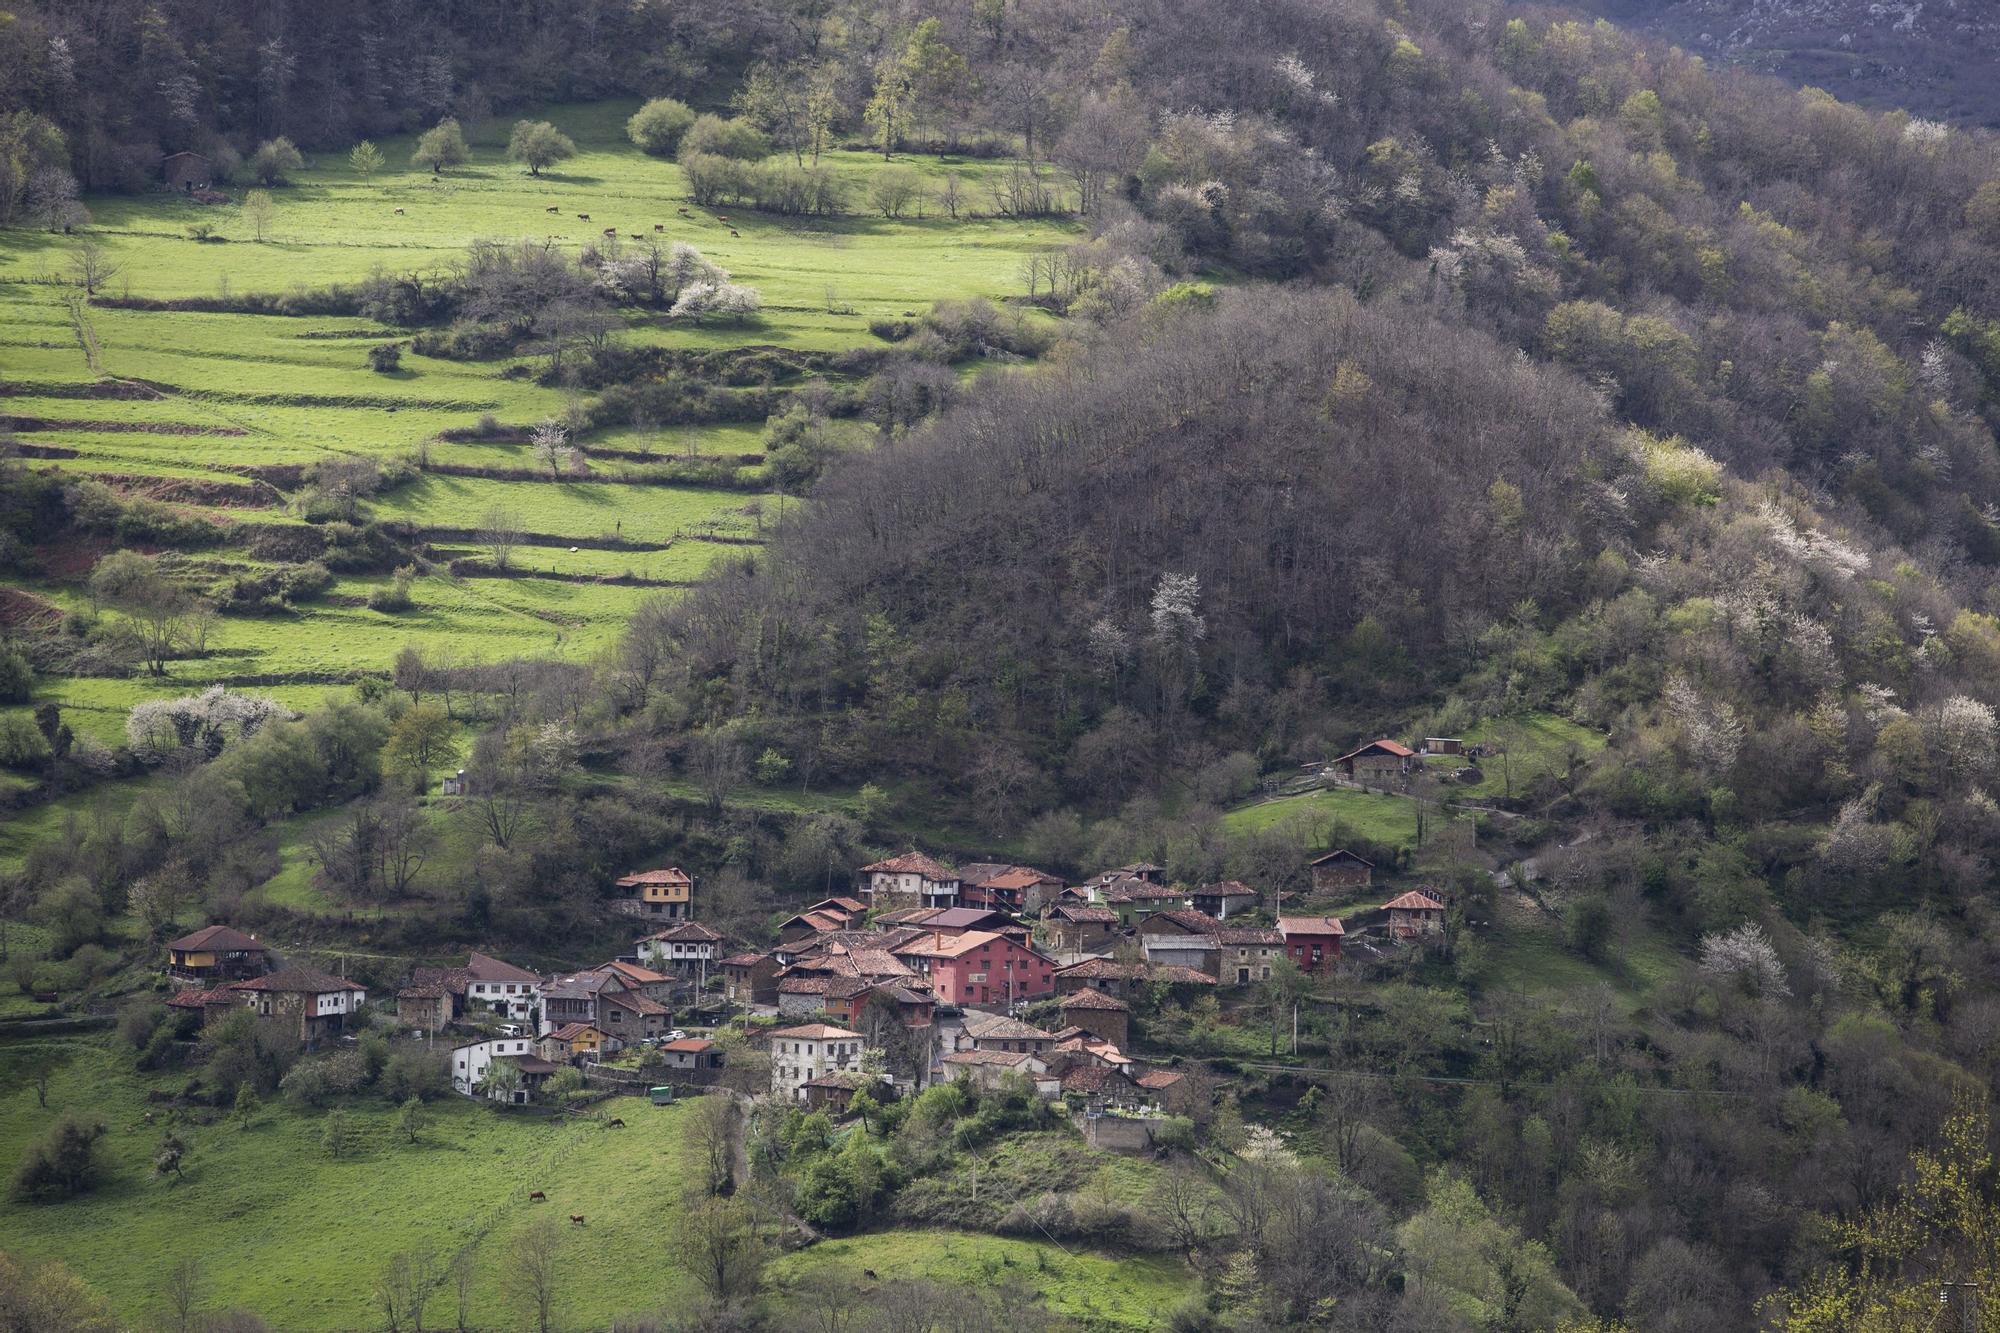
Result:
{"points": [[186, 172], [454, 784]]}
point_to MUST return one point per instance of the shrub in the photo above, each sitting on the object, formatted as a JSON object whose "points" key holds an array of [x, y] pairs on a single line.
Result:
{"points": [[413, 1073], [395, 597], [274, 158], [385, 358], [737, 139], [657, 127], [22, 744], [63, 1164], [892, 330]]}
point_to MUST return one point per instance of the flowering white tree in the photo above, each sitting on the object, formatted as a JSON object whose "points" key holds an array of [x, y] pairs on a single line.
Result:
{"points": [[1709, 728], [1746, 956], [552, 450], [205, 722], [727, 299]]}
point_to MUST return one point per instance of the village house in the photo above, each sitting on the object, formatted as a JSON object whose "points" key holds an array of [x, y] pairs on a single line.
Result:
{"points": [[1339, 871], [1132, 899], [665, 893], [834, 1093], [1169, 1089], [653, 985], [1144, 871], [1078, 927], [1379, 763], [804, 994], [1414, 914], [1197, 953], [909, 880], [1222, 900], [979, 967], [996, 1032], [693, 1059], [804, 926], [1098, 1014], [322, 1005], [575, 1041], [472, 1063], [750, 978], [1443, 745], [1246, 954], [602, 999], [1006, 888], [986, 1069], [216, 954], [187, 172], [688, 950], [501, 987], [808, 1051], [1312, 942], [423, 1007]]}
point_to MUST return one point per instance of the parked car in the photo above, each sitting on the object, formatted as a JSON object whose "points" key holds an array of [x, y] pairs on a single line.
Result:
{"points": [[510, 1029]]}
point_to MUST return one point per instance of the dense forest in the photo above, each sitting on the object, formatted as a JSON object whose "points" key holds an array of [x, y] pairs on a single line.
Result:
{"points": [[1425, 362]]}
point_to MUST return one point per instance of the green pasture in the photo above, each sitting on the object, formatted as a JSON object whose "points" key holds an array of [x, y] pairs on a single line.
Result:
{"points": [[1380, 817], [283, 1229]]}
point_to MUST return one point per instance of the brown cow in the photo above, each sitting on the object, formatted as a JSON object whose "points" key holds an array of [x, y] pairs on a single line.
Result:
{"points": [[399, 212], [576, 1219], [732, 231], [614, 1123], [659, 226], [536, 1196]]}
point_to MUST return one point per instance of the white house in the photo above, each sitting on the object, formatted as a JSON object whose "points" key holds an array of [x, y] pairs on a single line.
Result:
{"points": [[491, 983], [689, 949], [910, 880], [470, 1063], [800, 1054]]}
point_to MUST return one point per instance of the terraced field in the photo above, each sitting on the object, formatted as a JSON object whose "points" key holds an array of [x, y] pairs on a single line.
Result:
{"points": [[218, 412]]}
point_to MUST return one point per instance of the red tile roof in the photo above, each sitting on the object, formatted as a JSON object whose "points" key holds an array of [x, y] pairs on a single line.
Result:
{"points": [[813, 1032], [695, 1045], [911, 863], [1341, 854], [218, 939], [485, 967], [745, 960], [1228, 888], [1385, 745], [1190, 921], [1093, 999], [571, 1031], [1414, 901], [633, 1000], [1094, 1079], [671, 875], [643, 976], [1310, 925], [1176, 975], [1159, 1079], [686, 932], [201, 999]]}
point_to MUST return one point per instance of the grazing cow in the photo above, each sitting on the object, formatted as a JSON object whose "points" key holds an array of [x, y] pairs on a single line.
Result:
{"points": [[637, 236], [583, 217], [659, 226], [614, 1123], [576, 1219], [536, 1196], [611, 231], [732, 231], [554, 208], [399, 212], [869, 1273], [683, 212]]}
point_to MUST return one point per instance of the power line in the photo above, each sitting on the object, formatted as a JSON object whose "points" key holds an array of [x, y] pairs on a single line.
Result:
{"points": [[1449, 1080]]}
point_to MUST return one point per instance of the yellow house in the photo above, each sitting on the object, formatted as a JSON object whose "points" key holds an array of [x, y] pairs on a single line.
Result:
{"points": [[216, 953], [572, 1040], [665, 893]]}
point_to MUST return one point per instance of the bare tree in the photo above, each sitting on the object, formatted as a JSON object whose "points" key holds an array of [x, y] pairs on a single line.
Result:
{"points": [[536, 1272], [500, 530], [720, 1246], [712, 1132], [92, 266], [182, 1288]]}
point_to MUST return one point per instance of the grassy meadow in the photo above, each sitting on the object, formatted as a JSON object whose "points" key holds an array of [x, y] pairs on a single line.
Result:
{"points": [[283, 1229], [231, 394]]}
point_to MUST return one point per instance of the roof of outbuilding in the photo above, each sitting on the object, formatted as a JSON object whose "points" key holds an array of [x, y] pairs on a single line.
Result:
{"points": [[1414, 901], [1310, 925], [1093, 999]]}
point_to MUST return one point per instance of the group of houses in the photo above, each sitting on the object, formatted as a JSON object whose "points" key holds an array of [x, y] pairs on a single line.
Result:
{"points": [[218, 970]]}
